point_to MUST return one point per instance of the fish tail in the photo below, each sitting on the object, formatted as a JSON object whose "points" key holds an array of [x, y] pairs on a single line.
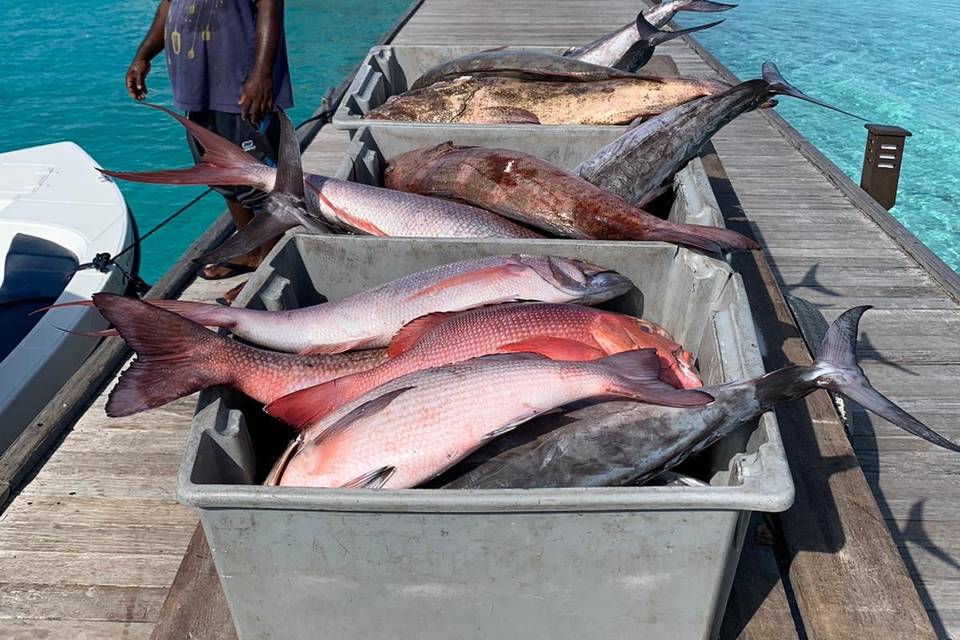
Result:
{"points": [[223, 163], [636, 375], [712, 239], [652, 36], [779, 84], [836, 368], [702, 6], [175, 357], [265, 226]]}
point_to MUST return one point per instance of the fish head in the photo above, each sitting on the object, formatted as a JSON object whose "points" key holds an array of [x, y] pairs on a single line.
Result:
{"points": [[582, 281], [616, 333]]}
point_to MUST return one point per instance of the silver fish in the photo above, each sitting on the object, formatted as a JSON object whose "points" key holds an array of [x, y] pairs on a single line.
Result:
{"points": [[631, 46]]}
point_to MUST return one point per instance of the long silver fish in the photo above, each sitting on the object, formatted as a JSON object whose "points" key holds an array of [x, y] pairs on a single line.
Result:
{"points": [[632, 46], [318, 202], [618, 443], [518, 63], [637, 163], [370, 318]]}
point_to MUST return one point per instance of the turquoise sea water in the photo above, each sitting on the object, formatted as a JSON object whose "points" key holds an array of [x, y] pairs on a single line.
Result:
{"points": [[62, 72], [891, 61]]}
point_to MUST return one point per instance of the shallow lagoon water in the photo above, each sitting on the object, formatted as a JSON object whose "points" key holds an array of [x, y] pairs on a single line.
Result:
{"points": [[893, 62], [62, 69]]}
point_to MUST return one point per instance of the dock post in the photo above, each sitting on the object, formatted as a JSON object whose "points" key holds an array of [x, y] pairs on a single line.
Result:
{"points": [[881, 162]]}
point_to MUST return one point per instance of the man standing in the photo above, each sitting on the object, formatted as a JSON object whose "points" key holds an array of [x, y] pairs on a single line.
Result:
{"points": [[227, 62]]}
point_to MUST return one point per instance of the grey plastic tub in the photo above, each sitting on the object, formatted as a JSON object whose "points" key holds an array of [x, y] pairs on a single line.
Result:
{"points": [[693, 200], [557, 564], [389, 70]]}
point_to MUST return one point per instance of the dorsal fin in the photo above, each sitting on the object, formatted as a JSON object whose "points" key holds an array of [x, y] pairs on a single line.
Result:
{"points": [[411, 332]]}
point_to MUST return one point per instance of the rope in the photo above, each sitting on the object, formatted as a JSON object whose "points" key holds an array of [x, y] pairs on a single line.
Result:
{"points": [[103, 262]]}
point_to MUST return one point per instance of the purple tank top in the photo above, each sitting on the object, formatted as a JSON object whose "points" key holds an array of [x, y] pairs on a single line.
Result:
{"points": [[210, 45]]}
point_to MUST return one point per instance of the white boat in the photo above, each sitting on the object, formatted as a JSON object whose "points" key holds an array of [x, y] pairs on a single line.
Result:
{"points": [[56, 212]]}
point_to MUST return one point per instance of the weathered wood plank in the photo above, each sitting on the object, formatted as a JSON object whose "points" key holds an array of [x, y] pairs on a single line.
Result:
{"points": [[73, 630]]}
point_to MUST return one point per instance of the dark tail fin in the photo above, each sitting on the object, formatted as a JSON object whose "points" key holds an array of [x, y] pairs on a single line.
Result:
{"points": [[637, 375], [779, 84], [289, 164], [175, 357], [265, 226], [223, 163], [703, 6], [713, 239], [836, 368], [652, 37]]}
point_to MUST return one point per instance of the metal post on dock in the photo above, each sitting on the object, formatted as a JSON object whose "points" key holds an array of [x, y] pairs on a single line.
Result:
{"points": [[881, 162]]}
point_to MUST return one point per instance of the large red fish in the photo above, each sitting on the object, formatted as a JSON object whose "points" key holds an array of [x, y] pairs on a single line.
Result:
{"points": [[557, 331]]}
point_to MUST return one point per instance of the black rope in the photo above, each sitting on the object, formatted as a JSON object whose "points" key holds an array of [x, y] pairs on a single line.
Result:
{"points": [[102, 262]]}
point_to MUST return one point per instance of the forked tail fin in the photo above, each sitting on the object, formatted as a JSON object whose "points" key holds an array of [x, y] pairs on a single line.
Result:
{"points": [[651, 36], [175, 357], [836, 368], [223, 163], [779, 84]]}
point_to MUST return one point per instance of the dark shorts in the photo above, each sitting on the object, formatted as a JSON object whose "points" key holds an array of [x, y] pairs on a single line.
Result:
{"points": [[261, 142]]}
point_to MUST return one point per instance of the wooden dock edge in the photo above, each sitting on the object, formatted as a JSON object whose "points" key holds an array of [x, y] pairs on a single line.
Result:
{"points": [[76, 395], [929, 261], [842, 565]]}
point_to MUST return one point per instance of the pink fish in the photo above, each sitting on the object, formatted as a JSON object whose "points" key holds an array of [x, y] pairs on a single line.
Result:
{"points": [[413, 428]]}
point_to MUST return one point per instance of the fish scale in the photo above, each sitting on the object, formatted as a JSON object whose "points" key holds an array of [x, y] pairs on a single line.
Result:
{"points": [[446, 413], [559, 332]]}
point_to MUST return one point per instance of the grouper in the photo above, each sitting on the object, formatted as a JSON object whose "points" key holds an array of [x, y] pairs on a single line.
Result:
{"points": [[617, 443], [531, 190], [493, 99], [637, 163]]}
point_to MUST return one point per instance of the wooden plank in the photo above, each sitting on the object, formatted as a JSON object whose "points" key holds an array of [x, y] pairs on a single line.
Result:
{"points": [[196, 607], [80, 602], [834, 534], [73, 629]]}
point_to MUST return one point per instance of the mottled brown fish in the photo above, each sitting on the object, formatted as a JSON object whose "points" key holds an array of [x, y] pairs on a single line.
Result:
{"points": [[526, 188], [492, 100]]}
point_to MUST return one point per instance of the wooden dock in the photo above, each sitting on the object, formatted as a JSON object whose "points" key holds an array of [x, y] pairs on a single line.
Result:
{"points": [[91, 544]]}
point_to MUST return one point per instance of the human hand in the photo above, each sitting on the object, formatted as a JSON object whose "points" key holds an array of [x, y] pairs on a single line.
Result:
{"points": [[256, 99], [136, 78]]}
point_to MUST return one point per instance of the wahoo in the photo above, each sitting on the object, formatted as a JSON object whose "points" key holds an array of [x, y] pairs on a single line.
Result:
{"points": [[647, 156], [317, 202], [177, 357], [631, 46], [618, 443]]}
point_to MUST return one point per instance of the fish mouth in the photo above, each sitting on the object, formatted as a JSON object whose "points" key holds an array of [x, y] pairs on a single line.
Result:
{"points": [[605, 285]]}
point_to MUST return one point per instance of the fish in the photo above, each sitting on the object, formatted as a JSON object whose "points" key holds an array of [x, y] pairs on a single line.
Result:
{"points": [[369, 319], [493, 100], [647, 156], [177, 357], [411, 429], [518, 63], [318, 203], [609, 49], [617, 443], [535, 192], [556, 331], [632, 46]]}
